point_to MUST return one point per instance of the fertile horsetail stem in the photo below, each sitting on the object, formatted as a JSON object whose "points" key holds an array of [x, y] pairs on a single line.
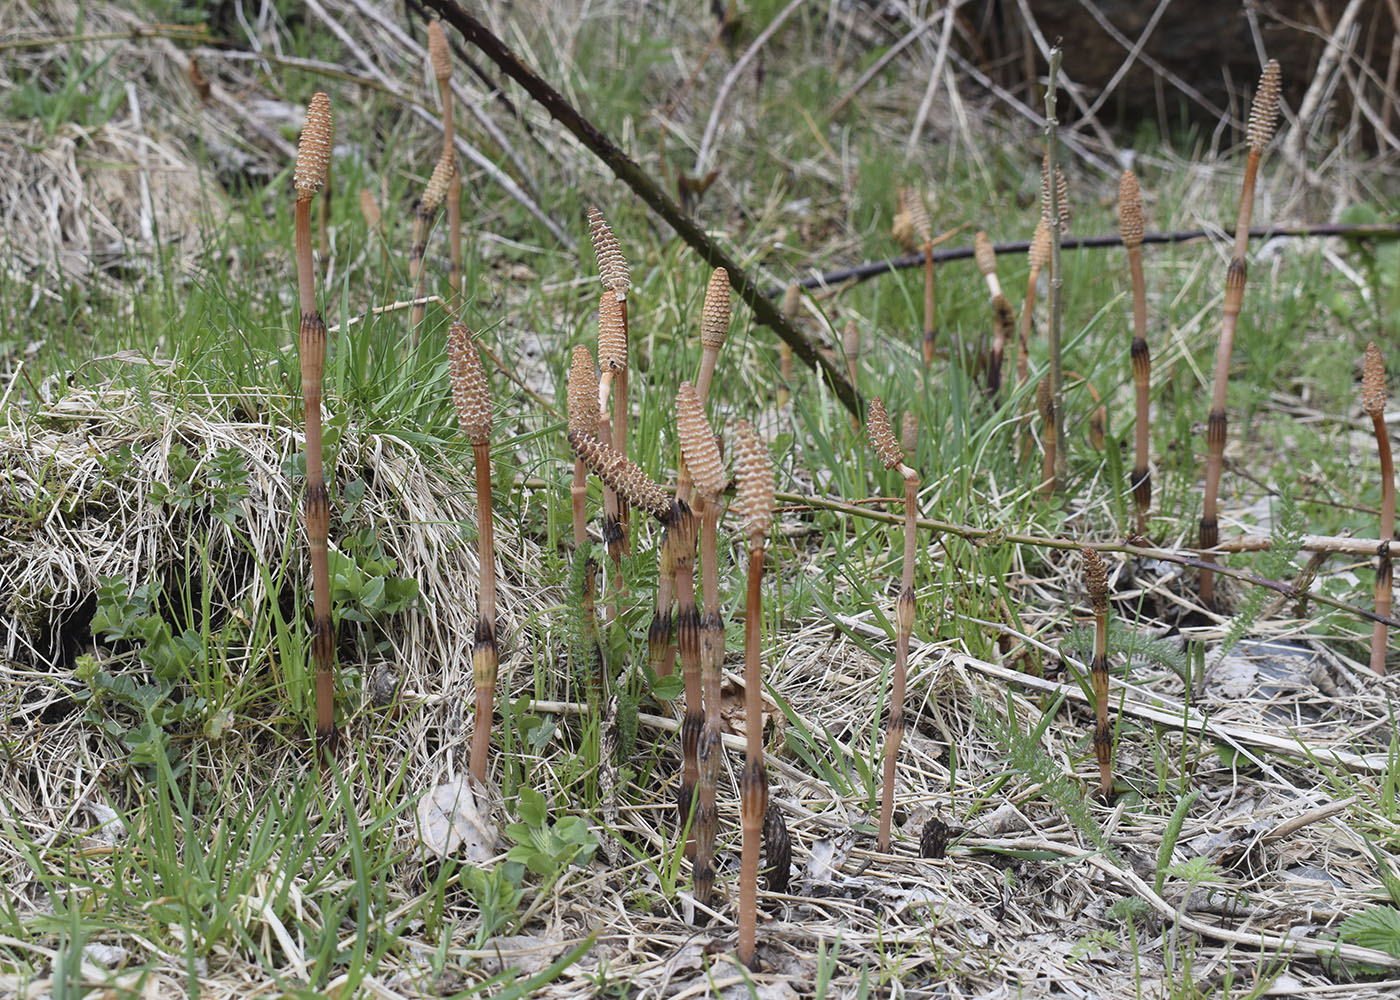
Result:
{"points": [[613, 273], [850, 346], [1373, 401], [1054, 204], [754, 469], [471, 396], [442, 178], [1096, 581], [612, 359], [1003, 329], [1037, 256], [1263, 114], [792, 307], [923, 233], [1130, 226], [986, 259], [714, 327], [877, 423], [313, 162], [583, 423], [702, 458], [441, 59]]}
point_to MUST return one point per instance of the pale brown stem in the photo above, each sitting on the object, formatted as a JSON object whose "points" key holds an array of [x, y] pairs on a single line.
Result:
{"points": [[1023, 343], [621, 416], [323, 216], [485, 652], [312, 344], [454, 192], [683, 536], [930, 332], [578, 494], [1383, 567], [753, 800], [904, 622], [1216, 427], [1142, 379]]}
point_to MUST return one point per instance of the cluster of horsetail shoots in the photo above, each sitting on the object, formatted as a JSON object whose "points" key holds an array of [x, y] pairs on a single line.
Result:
{"points": [[755, 500], [1263, 114], [583, 424], [441, 60], [1130, 227], [1373, 397], [313, 162], [702, 458], [923, 235], [892, 455], [612, 357], [472, 399], [1096, 582]]}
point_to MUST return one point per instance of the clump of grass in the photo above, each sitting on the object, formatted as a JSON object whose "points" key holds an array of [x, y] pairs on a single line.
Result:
{"points": [[755, 501], [1096, 581], [1373, 402], [313, 163], [1130, 227], [472, 398], [1263, 114], [441, 58], [702, 458], [892, 455]]}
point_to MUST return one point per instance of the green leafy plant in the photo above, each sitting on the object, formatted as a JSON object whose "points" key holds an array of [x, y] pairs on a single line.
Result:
{"points": [[218, 487], [546, 848], [497, 892]]}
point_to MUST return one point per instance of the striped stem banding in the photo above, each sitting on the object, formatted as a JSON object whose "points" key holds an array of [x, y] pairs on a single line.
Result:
{"points": [[486, 655], [1262, 116], [904, 622]]}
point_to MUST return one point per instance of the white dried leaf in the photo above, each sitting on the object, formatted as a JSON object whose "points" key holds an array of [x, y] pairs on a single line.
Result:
{"points": [[455, 819]]}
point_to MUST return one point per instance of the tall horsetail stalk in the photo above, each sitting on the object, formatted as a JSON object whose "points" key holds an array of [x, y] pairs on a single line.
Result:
{"points": [[612, 361], [850, 346], [1096, 581], [583, 423], [702, 458], [313, 162], [1263, 114], [436, 190], [1373, 401], [441, 59], [614, 274], [1003, 317], [754, 469], [923, 233], [1045, 402], [472, 398], [1055, 205], [1130, 227], [877, 425]]}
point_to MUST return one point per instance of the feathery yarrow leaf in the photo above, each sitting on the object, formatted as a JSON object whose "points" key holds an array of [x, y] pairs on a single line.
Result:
{"points": [[1130, 225], [314, 147], [698, 445], [583, 394], [612, 266], [881, 435], [471, 392], [753, 467], [620, 473], [612, 334], [1263, 111], [714, 317]]}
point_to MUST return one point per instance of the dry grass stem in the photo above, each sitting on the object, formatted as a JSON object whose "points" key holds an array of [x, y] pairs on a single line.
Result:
{"points": [[1263, 115], [312, 165], [472, 398], [1373, 396], [1130, 227]]}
